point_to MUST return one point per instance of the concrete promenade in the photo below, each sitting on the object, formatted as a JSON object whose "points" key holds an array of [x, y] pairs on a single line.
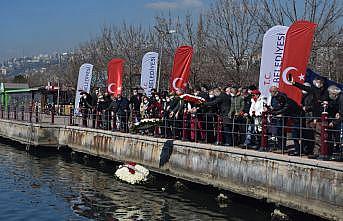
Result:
{"points": [[311, 186]]}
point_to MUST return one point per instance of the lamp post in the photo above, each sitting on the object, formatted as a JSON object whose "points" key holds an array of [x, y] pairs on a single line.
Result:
{"points": [[162, 34]]}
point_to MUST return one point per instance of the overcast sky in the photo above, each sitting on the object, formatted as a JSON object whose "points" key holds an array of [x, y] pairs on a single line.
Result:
{"points": [[30, 27]]}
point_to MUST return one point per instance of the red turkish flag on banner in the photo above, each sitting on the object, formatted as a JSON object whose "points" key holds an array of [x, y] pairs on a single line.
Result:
{"points": [[114, 76], [181, 68], [296, 53]]}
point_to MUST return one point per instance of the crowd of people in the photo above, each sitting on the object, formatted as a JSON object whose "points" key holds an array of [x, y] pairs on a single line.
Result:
{"points": [[230, 116]]}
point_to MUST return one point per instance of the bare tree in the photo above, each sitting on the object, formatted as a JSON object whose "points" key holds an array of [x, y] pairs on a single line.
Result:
{"points": [[234, 39], [226, 40], [327, 14]]}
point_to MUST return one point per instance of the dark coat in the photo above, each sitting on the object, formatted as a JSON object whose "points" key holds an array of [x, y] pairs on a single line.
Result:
{"points": [[335, 106], [246, 103], [306, 102], [204, 95], [223, 103], [179, 107], [86, 102], [107, 104], [122, 107], [340, 109], [94, 100], [281, 104], [319, 95], [135, 101]]}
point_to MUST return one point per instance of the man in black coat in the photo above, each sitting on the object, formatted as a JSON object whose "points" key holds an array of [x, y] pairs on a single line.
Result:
{"points": [[282, 107], [335, 113], [320, 94], [107, 108], [223, 102], [135, 102], [123, 112], [94, 95], [307, 121], [176, 114], [85, 106]]}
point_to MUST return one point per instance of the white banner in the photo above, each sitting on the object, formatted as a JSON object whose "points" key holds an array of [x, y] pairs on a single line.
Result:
{"points": [[272, 52], [83, 84], [149, 72]]}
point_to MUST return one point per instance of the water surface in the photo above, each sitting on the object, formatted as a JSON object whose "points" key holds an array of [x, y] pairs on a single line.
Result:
{"points": [[47, 185]]}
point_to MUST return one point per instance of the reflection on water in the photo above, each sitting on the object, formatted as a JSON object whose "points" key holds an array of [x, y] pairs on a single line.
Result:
{"points": [[49, 186]]}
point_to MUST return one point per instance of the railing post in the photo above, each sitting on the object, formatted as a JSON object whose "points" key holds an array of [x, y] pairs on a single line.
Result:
{"points": [[30, 114], [97, 119], [93, 117], [53, 114], [22, 113], [206, 128], [195, 128], [324, 149], [36, 111], [8, 111], [156, 131], [71, 116], [114, 122], [184, 125], [165, 127], [219, 130], [126, 123], [84, 117], [15, 112], [264, 135]]}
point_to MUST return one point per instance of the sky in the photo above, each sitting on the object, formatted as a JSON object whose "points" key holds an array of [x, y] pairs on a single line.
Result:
{"points": [[32, 27]]}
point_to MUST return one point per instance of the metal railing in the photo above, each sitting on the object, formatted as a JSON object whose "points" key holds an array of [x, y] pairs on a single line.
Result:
{"points": [[302, 136]]}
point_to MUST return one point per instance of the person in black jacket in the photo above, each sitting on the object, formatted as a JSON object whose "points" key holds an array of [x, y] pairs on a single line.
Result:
{"points": [[320, 95], [335, 111], [94, 104], [307, 121], [107, 108], [223, 103], [245, 114], [135, 102], [85, 106], [282, 108], [123, 112], [176, 114], [211, 118]]}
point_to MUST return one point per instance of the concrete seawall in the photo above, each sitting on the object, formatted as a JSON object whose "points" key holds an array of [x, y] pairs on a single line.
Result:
{"points": [[311, 186]]}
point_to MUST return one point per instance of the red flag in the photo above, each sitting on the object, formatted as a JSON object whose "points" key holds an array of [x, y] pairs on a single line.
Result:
{"points": [[114, 76], [181, 68], [297, 51]]}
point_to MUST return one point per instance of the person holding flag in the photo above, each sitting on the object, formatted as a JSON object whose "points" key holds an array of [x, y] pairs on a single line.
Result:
{"points": [[319, 96]]}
